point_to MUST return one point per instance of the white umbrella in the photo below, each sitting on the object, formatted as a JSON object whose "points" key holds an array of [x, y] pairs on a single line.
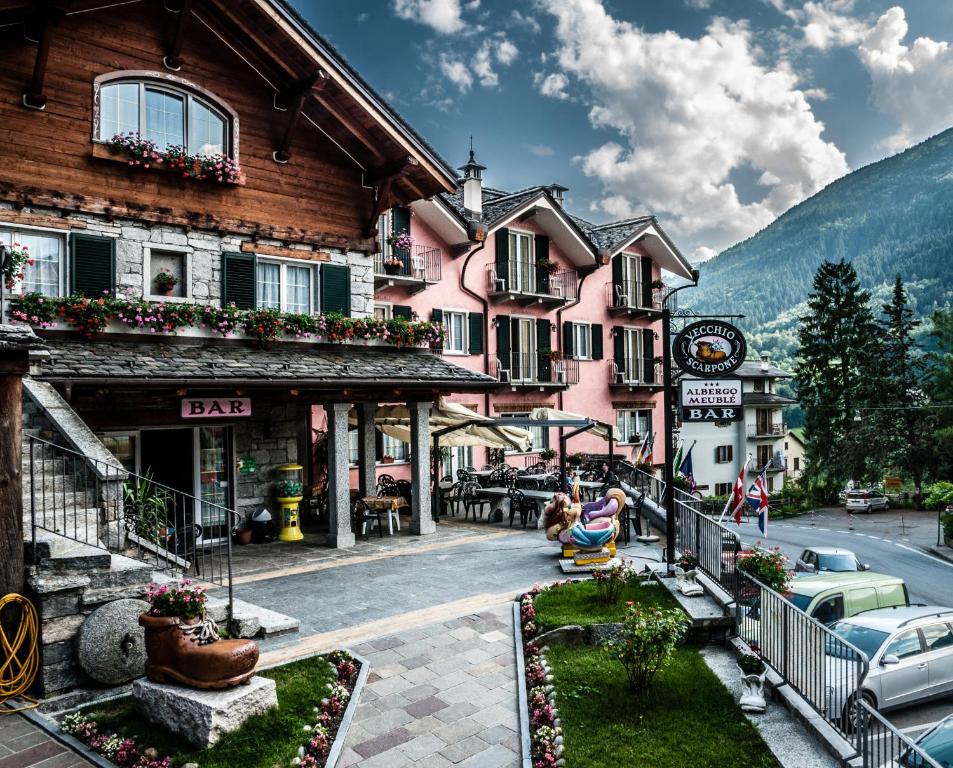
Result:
{"points": [[554, 415]]}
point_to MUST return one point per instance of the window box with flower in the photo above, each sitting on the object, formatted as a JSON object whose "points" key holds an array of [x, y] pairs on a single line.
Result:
{"points": [[139, 152]]}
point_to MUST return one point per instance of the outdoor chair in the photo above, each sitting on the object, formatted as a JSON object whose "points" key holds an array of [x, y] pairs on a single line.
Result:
{"points": [[510, 477], [473, 501], [405, 489], [497, 479], [529, 484], [453, 498], [470, 469], [551, 483], [465, 477], [632, 515], [520, 505], [486, 468], [621, 297], [502, 372], [418, 267]]}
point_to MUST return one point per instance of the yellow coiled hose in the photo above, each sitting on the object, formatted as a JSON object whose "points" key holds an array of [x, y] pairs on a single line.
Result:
{"points": [[20, 657]]}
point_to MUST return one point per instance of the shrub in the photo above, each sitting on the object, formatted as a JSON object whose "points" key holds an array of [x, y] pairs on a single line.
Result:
{"points": [[648, 639], [947, 522], [941, 494], [611, 581], [767, 566]]}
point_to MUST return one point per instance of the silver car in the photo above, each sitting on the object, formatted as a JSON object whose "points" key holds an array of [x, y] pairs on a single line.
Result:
{"points": [[828, 559], [867, 501], [910, 649]]}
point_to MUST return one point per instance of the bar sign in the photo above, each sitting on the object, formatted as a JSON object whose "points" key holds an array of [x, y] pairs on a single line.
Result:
{"points": [[215, 407]]}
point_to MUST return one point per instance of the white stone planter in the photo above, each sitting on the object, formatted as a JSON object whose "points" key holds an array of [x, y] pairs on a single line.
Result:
{"points": [[685, 582], [752, 692]]}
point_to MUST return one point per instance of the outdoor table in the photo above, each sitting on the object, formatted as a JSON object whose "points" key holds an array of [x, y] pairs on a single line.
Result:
{"points": [[375, 506]]}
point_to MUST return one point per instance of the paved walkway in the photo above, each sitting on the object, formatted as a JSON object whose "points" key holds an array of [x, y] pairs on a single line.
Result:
{"points": [[22, 744]]}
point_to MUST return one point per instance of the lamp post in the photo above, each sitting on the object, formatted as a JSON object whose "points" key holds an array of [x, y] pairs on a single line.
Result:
{"points": [[668, 420]]}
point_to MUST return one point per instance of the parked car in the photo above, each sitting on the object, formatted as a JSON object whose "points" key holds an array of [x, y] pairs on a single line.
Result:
{"points": [[936, 743], [829, 597], [910, 653], [824, 559], [867, 501]]}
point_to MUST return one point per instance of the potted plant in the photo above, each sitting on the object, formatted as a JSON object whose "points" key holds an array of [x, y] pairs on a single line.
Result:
{"points": [[392, 265], [145, 507], [547, 454], [767, 566], [551, 354], [16, 261], [548, 265], [658, 284], [165, 282], [387, 459], [753, 672], [496, 456]]}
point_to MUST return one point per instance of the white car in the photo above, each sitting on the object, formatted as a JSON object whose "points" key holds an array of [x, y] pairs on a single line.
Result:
{"points": [[910, 651], [866, 501], [828, 559]]}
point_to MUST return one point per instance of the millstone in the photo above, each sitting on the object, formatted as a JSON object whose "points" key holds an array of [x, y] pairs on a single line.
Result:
{"points": [[111, 645]]}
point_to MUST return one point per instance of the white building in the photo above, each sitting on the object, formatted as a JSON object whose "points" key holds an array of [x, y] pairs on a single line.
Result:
{"points": [[721, 447], [795, 447]]}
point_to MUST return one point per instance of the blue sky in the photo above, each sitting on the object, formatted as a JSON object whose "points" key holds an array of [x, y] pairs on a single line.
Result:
{"points": [[716, 115]]}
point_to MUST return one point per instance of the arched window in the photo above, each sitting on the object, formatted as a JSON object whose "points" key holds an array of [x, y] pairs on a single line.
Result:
{"points": [[168, 112]]}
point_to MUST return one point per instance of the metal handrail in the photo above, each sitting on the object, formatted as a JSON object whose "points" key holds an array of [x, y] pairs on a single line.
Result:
{"points": [[85, 501], [883, 744]]}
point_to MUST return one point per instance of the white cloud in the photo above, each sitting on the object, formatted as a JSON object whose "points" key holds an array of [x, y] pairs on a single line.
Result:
{"points": [[526, 22], [826, 25], [362, 17], [540, 150], [701, 5], [701, 254], [441, 15], [506, 52], [688, 113], [497, 50], [553, 85], [456, 72]]}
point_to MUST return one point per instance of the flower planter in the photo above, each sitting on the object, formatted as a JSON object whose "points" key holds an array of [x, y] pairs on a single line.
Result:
{"points": [[752, 691], [165, 289], [392, 269], [242, 536]]}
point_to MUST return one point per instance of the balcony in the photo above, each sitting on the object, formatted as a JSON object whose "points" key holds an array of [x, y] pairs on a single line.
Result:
{"points": [[527, 282], [627, 299], [537, 370], [763, 430], [635, 373], [413, 269], [775, 464]]}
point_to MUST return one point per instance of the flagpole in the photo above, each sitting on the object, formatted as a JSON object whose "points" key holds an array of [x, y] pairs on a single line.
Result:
{"points": [[732, 494]]}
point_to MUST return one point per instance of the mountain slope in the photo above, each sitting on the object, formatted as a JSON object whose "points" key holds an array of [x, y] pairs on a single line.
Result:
{"points": [[893, 216]]}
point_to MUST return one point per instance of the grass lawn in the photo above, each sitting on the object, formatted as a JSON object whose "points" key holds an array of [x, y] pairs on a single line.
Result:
{"points": [[687, 719], [263, 741], [578, 603]]}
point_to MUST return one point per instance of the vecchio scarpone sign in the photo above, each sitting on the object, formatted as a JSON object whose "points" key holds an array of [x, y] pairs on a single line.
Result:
{"points": [[709, 348]]}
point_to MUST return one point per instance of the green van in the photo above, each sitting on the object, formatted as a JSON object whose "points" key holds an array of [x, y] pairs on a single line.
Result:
{"points": [[829, 597]]}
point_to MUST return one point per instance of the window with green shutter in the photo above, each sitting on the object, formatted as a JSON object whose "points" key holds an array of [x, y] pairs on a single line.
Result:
{"points": [[541, 250], [618, 347], [648, 354], [400, 220], [502, 259], [596, 341], [336, 289], [544, 343], [503, 341], [436, 316], [402, 311], [646, 264], [567, 339], [475, 321], [92, 265], [238, 280], [618, 281]]}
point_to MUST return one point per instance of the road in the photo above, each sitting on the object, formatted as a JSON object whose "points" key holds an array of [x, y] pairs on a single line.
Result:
{"points": [[892, 542]]}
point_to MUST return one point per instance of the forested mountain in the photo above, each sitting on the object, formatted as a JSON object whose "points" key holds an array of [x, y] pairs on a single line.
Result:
{"points": [[894, 216]]}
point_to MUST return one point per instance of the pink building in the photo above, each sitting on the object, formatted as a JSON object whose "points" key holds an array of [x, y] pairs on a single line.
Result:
{"points": [[563, 312]]}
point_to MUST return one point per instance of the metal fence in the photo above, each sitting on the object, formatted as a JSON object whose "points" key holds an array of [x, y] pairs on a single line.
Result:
{"points": [[883, 746], [102, 505], [714, 545]]}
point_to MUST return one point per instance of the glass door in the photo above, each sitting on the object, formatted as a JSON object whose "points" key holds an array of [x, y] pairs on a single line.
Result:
{"points": [[526, 358], [214, 480], [522, 264], [633, 367]]}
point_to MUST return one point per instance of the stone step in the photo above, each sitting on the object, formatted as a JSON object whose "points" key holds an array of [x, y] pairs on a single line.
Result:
{"points": [[123, 572], [96, 597], [252, 620], [56, 483], [43, 466], [60, 554]]}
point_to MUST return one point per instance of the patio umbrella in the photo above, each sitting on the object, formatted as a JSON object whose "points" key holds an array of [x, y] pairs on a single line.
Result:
{"points": [[553, 416]]}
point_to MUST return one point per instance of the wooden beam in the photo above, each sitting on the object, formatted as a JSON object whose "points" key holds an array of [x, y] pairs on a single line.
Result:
{"points": [[173, 56], [375, 176], [296, 97], [48, 16], [383, 192]]}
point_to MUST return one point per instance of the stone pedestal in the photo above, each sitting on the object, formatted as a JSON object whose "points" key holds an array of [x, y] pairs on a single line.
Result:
{"points": [[203, 717]]}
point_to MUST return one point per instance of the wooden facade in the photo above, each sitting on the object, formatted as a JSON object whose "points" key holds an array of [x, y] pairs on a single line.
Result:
{"points": [[346, 153]]}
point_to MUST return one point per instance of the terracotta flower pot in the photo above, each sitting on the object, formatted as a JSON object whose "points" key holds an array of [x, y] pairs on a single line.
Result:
{"points": [[165, 289], [176, 652], [242, 536]]}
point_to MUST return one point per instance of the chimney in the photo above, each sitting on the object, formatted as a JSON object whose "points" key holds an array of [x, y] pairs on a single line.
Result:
{"points": [[764, 361], [473, 185], [556, 191]]}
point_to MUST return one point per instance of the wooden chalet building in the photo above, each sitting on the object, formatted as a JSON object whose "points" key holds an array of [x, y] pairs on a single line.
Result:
{"points": [[251, 167]]}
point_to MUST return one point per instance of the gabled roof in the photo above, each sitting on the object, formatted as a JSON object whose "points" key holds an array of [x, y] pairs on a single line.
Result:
{"points": [[754, 369], [610, 236]]}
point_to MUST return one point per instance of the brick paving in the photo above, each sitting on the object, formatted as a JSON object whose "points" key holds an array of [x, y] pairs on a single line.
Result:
{"points": [[22, 744], [439, 695]]}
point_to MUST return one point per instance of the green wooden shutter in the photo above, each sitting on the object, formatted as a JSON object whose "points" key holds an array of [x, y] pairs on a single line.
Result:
{"points": [[475, 322], [503, 340], [618, 348], [617, 279], [238, 280], [646, 265], [541, 253], [648, 353], [596, 341], [402, 311], [544, 341], [503, 256], [568, 340], [436, 316], [336, 289], [92, 265], [400, 220]]}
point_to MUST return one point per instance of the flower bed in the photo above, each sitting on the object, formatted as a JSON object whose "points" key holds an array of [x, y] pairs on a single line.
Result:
{"points": [[312, 697], [91, 316]]}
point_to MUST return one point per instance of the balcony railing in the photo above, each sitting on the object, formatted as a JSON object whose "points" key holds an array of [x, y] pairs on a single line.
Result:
{"points": [[628, 297], [418, 266], [774, 464], [767, 430], [525, 280], [635, 372], [536, 369]]}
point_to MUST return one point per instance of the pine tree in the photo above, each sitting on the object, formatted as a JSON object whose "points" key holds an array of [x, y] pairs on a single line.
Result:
{"points": [[838, 338], [898, 424]]}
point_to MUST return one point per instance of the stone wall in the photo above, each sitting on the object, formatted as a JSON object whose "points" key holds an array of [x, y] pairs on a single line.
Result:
{"points": [[136, 239]]}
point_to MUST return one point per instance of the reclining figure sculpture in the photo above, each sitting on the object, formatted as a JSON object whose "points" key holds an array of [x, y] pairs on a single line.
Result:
{"points": [[585, 528]]}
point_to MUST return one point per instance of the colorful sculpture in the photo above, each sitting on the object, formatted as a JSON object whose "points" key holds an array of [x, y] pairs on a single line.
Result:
{"points": [[585, 528]]}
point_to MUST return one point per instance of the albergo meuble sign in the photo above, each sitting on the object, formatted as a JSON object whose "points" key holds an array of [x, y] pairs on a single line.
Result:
{"points": [[709, 348], [711, 399]]}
